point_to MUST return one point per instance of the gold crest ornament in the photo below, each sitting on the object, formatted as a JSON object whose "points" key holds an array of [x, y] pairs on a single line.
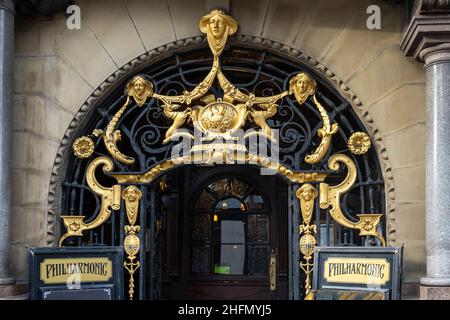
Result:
{"points": [[83, 147], [217, 26], [359, 143]]}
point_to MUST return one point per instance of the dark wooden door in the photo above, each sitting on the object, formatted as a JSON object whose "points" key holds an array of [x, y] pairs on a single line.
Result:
{"points": [[224, 227]]}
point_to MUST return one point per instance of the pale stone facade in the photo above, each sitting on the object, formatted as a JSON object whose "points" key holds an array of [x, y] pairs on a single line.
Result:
{"points": [[56, 69]]}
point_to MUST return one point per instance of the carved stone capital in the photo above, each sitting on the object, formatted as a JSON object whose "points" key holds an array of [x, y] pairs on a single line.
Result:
{"points": [[429, 27], [436, 54], [7, 5]]}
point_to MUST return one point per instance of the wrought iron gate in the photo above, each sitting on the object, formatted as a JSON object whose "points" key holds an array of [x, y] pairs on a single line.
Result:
{"points": [[143, 125]]}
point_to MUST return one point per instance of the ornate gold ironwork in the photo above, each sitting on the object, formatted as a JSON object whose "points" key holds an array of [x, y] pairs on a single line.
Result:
{"points": [[218, 118], [110, 198], [359, 143], [83, 147], [140, 90], [307, 194], [330, 198], [224, 156], [221, 118], [132, 195], [303, 86]]}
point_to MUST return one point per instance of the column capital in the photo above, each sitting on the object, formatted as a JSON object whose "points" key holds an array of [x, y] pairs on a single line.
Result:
{"points": [[8, 5], [435, 54], [429, 27]]}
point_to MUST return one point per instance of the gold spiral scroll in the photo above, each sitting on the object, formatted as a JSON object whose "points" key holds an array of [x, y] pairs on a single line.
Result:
{"points": [[307, 194], [132, 195], [330, 198], [110, 199]]}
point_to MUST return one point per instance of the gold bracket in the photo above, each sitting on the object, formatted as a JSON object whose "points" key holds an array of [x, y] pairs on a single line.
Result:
{"points": [[110, 198], [330, 198]]}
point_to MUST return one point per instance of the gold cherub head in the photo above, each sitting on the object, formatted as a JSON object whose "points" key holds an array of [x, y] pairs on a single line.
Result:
{"points": [[302, 85], [308, 192], [217, 26], [140, 89], [131, 194]]}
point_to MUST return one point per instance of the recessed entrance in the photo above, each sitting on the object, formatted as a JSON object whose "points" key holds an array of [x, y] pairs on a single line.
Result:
{"points": [[235, 231]]}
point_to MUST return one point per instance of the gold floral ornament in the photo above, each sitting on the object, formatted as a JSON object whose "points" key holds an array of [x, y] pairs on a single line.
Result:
{"points": [[217, 26], [83, 147], [359, 143]]}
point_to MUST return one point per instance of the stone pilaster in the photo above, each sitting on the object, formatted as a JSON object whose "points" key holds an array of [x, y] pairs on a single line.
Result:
{"points": [[427, 39], [6, 92]]}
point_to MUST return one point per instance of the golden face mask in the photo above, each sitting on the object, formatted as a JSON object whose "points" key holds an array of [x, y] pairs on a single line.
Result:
{"points": [[140, 89], [303, 86], [217, 26]]}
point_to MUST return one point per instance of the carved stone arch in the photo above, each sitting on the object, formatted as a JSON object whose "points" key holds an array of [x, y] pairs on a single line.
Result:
{"points": [[119, 77]]}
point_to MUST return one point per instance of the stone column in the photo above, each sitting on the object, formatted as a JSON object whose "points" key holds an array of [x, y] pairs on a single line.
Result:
{"points": [[437, 65], [6, 91], [427, 39]]}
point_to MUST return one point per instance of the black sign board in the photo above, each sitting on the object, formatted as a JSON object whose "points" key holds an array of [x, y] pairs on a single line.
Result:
{"points": [[371, 269], [76, 273]]}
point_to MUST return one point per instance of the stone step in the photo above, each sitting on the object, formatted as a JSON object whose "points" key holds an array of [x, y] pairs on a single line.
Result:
{"points": [[13, 289], [16, 297]]}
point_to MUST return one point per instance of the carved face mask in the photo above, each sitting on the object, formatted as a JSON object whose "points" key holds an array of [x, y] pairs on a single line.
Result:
{"points": [[217, 26], [302, 86], [140, 89]]}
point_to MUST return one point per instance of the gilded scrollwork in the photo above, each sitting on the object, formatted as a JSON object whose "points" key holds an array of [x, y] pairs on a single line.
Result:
{"points": [[330, 198], [110, 199]]}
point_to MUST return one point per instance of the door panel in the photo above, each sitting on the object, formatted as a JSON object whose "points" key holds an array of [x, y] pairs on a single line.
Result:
{"points": [[227, 235]]}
